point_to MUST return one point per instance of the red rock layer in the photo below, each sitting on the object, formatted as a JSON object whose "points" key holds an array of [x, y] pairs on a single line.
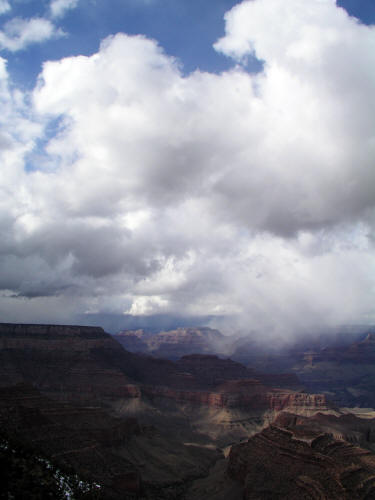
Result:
{"points": [[86, 365], [346, 427], [246, 395], [275, 465]]}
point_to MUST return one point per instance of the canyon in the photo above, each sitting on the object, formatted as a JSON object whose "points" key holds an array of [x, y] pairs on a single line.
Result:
{"points": [[138, 426], [345, 372]]}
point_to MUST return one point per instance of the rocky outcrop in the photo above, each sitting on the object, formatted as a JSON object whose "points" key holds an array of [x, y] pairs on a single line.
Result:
{"points": [[347, 427], [299, 402], [297, 457], [275, 464]]}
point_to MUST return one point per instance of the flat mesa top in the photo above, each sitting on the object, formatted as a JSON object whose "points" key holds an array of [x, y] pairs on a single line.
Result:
{"points": [[38, 330]]}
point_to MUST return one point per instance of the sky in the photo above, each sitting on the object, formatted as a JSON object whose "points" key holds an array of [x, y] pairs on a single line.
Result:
{"points": [[174, 162]]}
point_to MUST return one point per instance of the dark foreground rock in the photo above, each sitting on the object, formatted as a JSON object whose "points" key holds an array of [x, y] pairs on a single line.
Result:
{"points": [[275, 464], [121, 458], [84, 440]]}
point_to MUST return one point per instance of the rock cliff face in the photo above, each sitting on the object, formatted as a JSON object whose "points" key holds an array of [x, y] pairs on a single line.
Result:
{"points": [[173, 344], [67, 362], [245, 395], [275, 464], [297, 457], [347, 427]]}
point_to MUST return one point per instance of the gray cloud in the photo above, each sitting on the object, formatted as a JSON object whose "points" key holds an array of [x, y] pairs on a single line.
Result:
{"points": [[244, 198]]}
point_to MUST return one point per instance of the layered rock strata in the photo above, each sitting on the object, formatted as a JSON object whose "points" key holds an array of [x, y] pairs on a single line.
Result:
{"points": [[348, 427], [275, 464], [85, 365], [126, 460], [199, 400], [246, 394], [67, 362]]}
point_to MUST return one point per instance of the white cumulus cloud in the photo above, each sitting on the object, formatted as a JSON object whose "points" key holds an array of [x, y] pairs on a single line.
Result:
{"points": [[4, 6], [239, 195]]}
